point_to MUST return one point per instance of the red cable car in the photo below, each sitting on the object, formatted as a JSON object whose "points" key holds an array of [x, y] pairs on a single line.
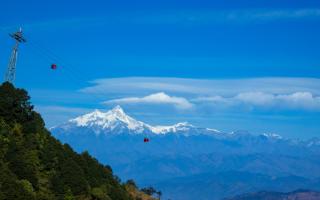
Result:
{"points": [[146, 140], [53, 66]]}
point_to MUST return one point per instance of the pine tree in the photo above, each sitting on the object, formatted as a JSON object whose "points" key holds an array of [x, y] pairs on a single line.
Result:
{"points": [[34, 165]]}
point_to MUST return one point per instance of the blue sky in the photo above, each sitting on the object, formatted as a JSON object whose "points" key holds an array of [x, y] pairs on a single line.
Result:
{"points": [[230, 65]]}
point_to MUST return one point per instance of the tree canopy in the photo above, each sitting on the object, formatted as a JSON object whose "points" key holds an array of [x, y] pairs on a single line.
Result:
{"points": [[34, 165]]}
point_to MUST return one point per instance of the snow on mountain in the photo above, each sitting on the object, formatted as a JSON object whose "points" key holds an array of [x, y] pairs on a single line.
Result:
{"points": [[109, 120], [272, 136], [183, 153], [314, 142], [183, 126], [116, 120]]}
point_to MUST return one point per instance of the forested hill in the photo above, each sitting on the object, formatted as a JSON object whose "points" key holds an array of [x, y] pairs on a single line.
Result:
{"points": [[34, 165]]}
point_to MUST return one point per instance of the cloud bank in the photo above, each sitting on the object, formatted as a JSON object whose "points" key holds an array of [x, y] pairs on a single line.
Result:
{"points": [[255, 93], [157, 98], [294, 101], [202, 87]]}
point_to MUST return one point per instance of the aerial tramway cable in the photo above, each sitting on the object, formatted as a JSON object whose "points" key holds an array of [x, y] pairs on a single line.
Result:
{"points": [[57, 63], [69, 69]]}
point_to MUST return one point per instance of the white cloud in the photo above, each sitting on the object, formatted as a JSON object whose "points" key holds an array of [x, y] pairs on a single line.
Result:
{"points": [[216, 99], [304, 100], [201, 87], [157, 98], [255, 98], [297, 100], [266, 93], [294, 101]]}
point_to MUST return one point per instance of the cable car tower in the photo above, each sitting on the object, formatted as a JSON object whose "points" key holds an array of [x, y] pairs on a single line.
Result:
{"points": [[11, 70]]}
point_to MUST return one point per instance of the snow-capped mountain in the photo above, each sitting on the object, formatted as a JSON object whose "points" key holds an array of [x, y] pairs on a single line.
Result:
{"points": [[117, 121], [272, 135], [183, 153], [313, 142]]}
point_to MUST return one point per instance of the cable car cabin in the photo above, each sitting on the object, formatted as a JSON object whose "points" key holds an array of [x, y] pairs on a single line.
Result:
{"points": [[146, 140], [53, 66]]}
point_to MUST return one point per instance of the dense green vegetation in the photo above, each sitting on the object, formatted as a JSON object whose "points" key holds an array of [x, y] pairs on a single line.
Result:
{"points": [[34, 165]]}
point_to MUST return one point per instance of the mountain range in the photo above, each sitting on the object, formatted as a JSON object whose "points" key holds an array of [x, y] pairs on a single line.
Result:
{"points": [[116, 121], [295, 195], [189, 162]]}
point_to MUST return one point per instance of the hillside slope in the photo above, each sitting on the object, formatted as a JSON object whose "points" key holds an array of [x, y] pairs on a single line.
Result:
{"points": [[34, 165]]}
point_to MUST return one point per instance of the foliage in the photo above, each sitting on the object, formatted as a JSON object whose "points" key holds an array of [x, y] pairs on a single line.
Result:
{"points": [[137, 194], [34, 165], [151, 191]]}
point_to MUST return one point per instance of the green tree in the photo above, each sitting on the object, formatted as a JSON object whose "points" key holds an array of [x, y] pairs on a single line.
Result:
{"points": [[68, 195], [149, 190], [14, 104], [34, 165], [131, 182]]}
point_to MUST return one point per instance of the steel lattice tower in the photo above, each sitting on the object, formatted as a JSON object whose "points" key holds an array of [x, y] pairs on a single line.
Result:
{"points": [[11, 70]]}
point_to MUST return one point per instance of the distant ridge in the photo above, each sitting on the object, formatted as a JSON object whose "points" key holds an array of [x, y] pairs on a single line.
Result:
{"points": [[187, 162], [117, 121], [295, 195]]}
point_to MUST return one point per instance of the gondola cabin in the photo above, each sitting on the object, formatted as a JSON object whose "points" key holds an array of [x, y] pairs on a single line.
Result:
{"points": [[53, 66]]}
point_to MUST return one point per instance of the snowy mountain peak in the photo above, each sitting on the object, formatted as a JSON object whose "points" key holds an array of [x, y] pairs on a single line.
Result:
{"points": [[117, 121], [113, 119], [179, 127], [86, 119], [118, 111], [272, 135], [183, 124]]}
